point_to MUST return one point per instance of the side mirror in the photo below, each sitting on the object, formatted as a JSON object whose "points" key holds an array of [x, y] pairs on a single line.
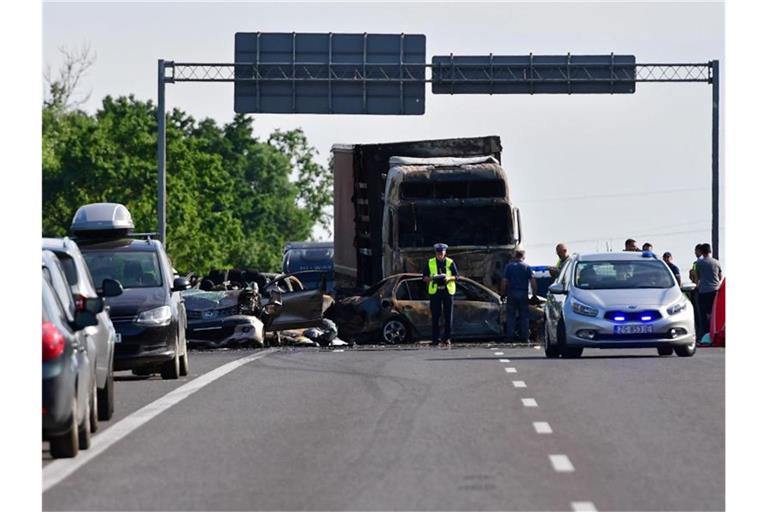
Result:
{"points": [[111, 288], [94, 305], [688, 287], [557, 289], [180, 284], [84, 319], [386, 304]]}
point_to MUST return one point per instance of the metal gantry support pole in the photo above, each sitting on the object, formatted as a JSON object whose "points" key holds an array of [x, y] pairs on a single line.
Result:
{"points": [[715, 158], [161, 150]]}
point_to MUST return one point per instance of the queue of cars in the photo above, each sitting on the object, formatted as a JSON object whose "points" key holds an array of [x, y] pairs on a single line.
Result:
{"points": [[110, 302]]}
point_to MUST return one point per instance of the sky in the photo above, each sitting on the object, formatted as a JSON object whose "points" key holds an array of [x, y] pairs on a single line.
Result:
{"points": [[587, 170]]}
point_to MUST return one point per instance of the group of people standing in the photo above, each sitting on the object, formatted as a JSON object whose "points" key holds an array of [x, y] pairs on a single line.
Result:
{"points": [[440, 275]]}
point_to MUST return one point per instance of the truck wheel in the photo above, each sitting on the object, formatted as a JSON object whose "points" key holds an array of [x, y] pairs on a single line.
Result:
{"points": [[395, 331], [66, 445]]}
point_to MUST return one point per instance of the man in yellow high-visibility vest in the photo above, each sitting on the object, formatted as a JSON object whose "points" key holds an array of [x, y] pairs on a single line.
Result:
{"points": [[441, 274]]}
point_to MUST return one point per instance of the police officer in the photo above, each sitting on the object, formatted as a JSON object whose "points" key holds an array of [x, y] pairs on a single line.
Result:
{"points": [[441, 274]]}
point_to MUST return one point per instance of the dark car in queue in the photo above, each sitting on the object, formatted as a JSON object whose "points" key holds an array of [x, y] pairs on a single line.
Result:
{"points": [[313, 259], [149, 316], [396, 310], [69, 377], [103, 333]]}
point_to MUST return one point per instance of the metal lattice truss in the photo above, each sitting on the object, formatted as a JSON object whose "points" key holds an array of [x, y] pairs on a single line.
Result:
{"points": [[442, 74]]}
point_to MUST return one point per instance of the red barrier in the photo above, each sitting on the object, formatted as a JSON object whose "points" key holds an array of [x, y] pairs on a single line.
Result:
{"points": [[717, 319]]}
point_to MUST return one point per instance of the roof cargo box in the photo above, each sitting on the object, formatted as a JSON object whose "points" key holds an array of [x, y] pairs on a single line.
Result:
{"points": [[102, 220]]}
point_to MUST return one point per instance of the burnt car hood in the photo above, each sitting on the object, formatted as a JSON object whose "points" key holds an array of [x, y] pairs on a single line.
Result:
{"points": [[135, 300]]}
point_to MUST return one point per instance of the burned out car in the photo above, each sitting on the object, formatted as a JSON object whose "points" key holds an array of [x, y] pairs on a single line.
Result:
{"points": [[225, 318], [233, 312], [396, 310]]}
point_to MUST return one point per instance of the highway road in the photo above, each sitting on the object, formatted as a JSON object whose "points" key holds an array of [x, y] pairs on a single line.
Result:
{"points": [[468, 428]]}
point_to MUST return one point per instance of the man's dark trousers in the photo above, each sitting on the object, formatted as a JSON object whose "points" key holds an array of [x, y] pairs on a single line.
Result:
{"points": [[517, 308], [441, 303], [706, 301]]}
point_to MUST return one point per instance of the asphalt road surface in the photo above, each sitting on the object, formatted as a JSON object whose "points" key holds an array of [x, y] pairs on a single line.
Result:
{"points": [[480, 428]]}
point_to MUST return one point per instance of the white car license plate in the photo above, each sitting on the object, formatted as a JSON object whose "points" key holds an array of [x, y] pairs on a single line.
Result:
{"points": [[632, 329], [118, 337]]}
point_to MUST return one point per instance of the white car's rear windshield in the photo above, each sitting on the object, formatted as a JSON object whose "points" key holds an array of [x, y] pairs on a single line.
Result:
{"points": [[615, 275]]}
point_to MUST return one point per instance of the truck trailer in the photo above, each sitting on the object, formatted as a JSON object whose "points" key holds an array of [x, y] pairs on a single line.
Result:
{"points": [[393, 201]]}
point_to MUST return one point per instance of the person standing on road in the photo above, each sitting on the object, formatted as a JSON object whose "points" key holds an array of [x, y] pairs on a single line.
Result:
{"points": [[667, 257], [709, 275], [630, 244], [441, 274], [517, 276], [562, 256]]}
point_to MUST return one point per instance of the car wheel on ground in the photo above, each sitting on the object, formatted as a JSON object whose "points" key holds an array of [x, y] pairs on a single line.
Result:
{"points": [[84, 430], [184, 360], [93, 409], [105, 398], [395, 331], [685, 350], [171, 369], [66, 445], [550, 350], [665, 351]]}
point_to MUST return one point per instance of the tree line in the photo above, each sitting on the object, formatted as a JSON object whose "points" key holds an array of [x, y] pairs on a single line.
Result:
{"points": [[232, 200]]}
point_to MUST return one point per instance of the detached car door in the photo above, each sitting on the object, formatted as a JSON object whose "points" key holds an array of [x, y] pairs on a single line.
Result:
{"points": [[300, 309]]}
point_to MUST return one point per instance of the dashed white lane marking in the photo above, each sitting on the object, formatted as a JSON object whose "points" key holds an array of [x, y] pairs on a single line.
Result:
{"points": [[503, 360], [542, 427], [60, 469], [510, 370], [498, 353], [519, 383], [561, 463], [529, 402], [583, 506]]}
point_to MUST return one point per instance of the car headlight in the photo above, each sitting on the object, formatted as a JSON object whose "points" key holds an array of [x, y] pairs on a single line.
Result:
{"points": [[583, 309], [678, 307], [154, 317]]}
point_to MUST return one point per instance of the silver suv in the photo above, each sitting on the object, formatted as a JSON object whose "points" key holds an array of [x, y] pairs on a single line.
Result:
{"points": [[103, 333]]}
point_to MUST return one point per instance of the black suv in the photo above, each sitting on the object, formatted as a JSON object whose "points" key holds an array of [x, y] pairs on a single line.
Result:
{"points": [[149, 316]]}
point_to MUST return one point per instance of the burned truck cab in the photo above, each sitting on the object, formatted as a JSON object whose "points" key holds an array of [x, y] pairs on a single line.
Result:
{"points": [[463, 202]]}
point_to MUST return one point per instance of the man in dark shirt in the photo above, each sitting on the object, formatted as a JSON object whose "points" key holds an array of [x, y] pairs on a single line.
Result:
{"points": [[517, 276], [667, 257], [441, 275]]}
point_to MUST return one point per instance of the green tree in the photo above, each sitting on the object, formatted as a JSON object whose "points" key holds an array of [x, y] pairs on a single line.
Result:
{"points": [[232, 200]]}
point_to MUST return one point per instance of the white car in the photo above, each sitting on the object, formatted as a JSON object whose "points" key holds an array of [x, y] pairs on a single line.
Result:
{"points": [[618, 300]]}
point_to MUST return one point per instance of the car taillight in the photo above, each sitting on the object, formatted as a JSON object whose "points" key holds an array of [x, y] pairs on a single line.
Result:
{"points": [[53, 342]]}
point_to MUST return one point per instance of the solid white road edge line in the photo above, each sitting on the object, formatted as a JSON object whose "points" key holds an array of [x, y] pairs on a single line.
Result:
{"points": [[519, 383], [510, 370], [583, 506], [561, 463], [542, 427], [529, 402], [60, 469]]}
